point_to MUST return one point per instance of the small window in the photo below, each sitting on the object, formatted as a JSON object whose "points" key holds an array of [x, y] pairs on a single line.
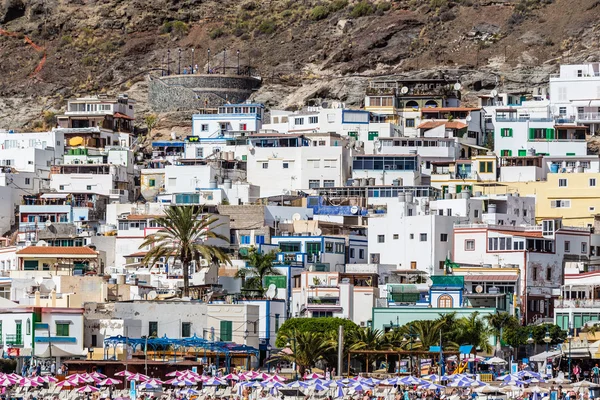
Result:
{"points": [[28, 181], [469, 245], [548, 274], [410, 123], [352, 253], [423, 237], [313, 120], [152, 182], [94, 340], [89, 187], [449, 212], [286, 165], [61, 187], [299, 121], [395, 236], [314, 183], [592, 181], [62, 329], [380, 238], [579, 73], [204, 128], [153, 328], [328, 183], [361, 254], [476, 213], [567, 246], [186, 329], [411, 236], [562, 183], [584, 248], [265, 165], [444, 237], [486, 166]]}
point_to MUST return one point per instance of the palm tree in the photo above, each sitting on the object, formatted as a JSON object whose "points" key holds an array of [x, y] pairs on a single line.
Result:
{"points": [[183, 237], [368, 339], [306, 349], [259, 265], [497, 322], [473, 330], [428, 332]]}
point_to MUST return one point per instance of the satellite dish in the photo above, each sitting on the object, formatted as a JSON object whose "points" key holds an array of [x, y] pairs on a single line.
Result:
{"points": [[152, 295], [494, 93], [468, 119], [317, 232], [404, 90], [271, 291], [354, 209], [479, 289], [296, 217], [345, 280], [429, 282], [457, 86], [42, 243]]}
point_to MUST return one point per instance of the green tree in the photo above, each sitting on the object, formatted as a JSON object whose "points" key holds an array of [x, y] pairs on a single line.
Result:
{"points": [[185, 230], [259, 265], [368, 339], [473, 330], [326, 327], [498, 322], [150, 120], [306, 348]]}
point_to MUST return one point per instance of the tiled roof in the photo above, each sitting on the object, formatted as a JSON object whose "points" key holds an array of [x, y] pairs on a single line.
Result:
{"points": [[142, 217], [530, 234], [58, 250], [491, 278], [449, 124]]}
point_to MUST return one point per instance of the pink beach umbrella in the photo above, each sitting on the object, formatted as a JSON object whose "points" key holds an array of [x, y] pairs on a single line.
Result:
{"points": [[87, 389], [124, 373], [6, 381], [263, 376], [314, 375], [26, 382], [109, 382], [97, 375], [50, 379], [77, 379], [249, 375], [275, 378], [65, 383], [155, 382], [138, 378], [232, 377]]}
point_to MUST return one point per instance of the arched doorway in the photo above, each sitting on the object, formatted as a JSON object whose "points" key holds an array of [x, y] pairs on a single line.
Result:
{"points": [[445, 301], [412, 104], [431, 104]]}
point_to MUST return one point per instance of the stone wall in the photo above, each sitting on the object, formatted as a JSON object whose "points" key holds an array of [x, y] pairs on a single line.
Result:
{"points": [[193, 92]]}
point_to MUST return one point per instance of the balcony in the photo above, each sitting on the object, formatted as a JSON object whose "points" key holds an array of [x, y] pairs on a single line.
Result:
{"points": [[589, 117], [14, 340], [118, 194], [523, 119], [577, 303]]}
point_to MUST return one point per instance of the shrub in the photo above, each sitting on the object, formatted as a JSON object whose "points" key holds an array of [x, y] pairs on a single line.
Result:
{"points": [[438, 3], [286, 13], [88, 61], [267, 27], [216, 33], [362, 9], [384, 6], [249, 6], [318, 13], [177, 28], [447, 16], [337, 5], [66, 39]]}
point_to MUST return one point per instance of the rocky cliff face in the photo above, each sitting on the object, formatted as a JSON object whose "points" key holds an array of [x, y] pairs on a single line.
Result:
{"points": [[306, 50]]}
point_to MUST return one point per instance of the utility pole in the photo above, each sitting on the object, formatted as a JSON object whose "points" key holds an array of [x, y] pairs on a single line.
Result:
{"points": [[224, 65], [340, 350], [179, 63], [208, 67]]}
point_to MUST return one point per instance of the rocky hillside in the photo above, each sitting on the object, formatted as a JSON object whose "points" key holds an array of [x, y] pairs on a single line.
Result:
{"points": [[305, 50]]}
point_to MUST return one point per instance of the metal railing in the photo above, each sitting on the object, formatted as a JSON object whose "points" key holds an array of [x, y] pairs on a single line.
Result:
{"points": [[577, 303], [14, 339], [528, 228]]}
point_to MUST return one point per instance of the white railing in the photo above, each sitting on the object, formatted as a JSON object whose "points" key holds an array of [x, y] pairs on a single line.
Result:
{"points": [[577, 303], [528, 228], [591, 116]]}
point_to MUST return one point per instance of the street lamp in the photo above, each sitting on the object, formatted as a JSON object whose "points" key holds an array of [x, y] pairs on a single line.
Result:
{"points": [[269, 348], [208, 65], [246, 333], [192, 64], [179, 63], [168, 61], [412, 338], [547, 339], [569, 339], [238, 60], [224, 65], [292, 342], [530, 342]]}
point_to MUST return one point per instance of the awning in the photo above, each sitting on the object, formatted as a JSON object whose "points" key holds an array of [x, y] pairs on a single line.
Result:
{"points": [[576, 353], [545, 355], [54, 195], [58, 352], [586, 103], [491, 278], [474, 146]]}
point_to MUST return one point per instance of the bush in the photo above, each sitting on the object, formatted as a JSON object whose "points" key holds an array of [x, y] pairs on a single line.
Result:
{"points": [[318, 13], [362, 9], [384, 6], [88, 61], [66, 39], [286, 13], [438, 3], [267, 27], [177, 28], [325, 325], [337, 5], [216, 33], [447, 16]]}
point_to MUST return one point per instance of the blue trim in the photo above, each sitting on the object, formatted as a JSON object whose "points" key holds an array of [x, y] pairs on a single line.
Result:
{"points": [[55, 339], [40, 325], [168, 144], [268, 322], [212, 117]]}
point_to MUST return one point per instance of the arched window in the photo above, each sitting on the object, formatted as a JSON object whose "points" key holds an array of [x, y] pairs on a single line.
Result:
{"points": [[445, 301], [28, 327], [412, 104], [431, 104]]}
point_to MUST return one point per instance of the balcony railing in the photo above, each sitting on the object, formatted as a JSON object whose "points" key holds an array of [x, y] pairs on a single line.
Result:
{"points": [[591, 116], [523, 119], [577, 303], [14, 339]]}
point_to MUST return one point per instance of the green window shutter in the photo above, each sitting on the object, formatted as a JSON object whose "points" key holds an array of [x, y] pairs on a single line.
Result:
{"points": [[373, 135], [510, 132], [30, 265], [570, 154], [481, 166], [509, 153], [531, 133], [549, 134], [226, 331], [522, 153]]}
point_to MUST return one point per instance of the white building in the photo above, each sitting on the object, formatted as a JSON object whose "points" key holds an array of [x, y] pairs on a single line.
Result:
{"points": [[230, 120], [387, 169], [575, 95], [281, 164]]}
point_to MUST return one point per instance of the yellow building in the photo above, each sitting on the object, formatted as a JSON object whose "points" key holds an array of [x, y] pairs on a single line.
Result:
{"points": [[464, 175], [574, 197]]}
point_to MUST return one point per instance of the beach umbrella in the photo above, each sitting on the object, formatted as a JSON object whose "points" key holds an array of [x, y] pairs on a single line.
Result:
{"points": [[410, 380], [26, 382], [319, 387], [489, 389], [262, 376], [275, 384], [495, 361], [97, 375], [65, 383], [389, 382], [87, 389], [109, 382], [50, 379], [6, 381], [124, 373], [537, 389], [188, 391], [314, 375], [584, 384], [297, 384], [432, 386], [214, 382], [181, 382], [146, 386], [138, 378], [432, 377], [513, 383], [232, 377], [360, 387], [249, 375], [463, 383], [77, 379], [371, 381], [154, 381], [339, 393], [39, 380], [277, 378]]}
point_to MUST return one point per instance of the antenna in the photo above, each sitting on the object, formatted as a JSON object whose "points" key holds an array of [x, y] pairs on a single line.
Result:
{"points": [[296, 217], [152, 295], [317, 232], [271, 291], [494, 93], [468, 119], [457, 86]]}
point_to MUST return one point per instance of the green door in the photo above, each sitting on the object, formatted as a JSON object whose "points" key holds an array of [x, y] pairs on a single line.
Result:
{"points": [[522, 153], [19, 333]]}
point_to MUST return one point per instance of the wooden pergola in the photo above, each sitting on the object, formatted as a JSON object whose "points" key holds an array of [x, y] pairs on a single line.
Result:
{"points": [[420, 354]]}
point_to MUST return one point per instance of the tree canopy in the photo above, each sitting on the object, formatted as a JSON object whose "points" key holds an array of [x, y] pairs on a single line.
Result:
{"points": [[328, 325]]}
